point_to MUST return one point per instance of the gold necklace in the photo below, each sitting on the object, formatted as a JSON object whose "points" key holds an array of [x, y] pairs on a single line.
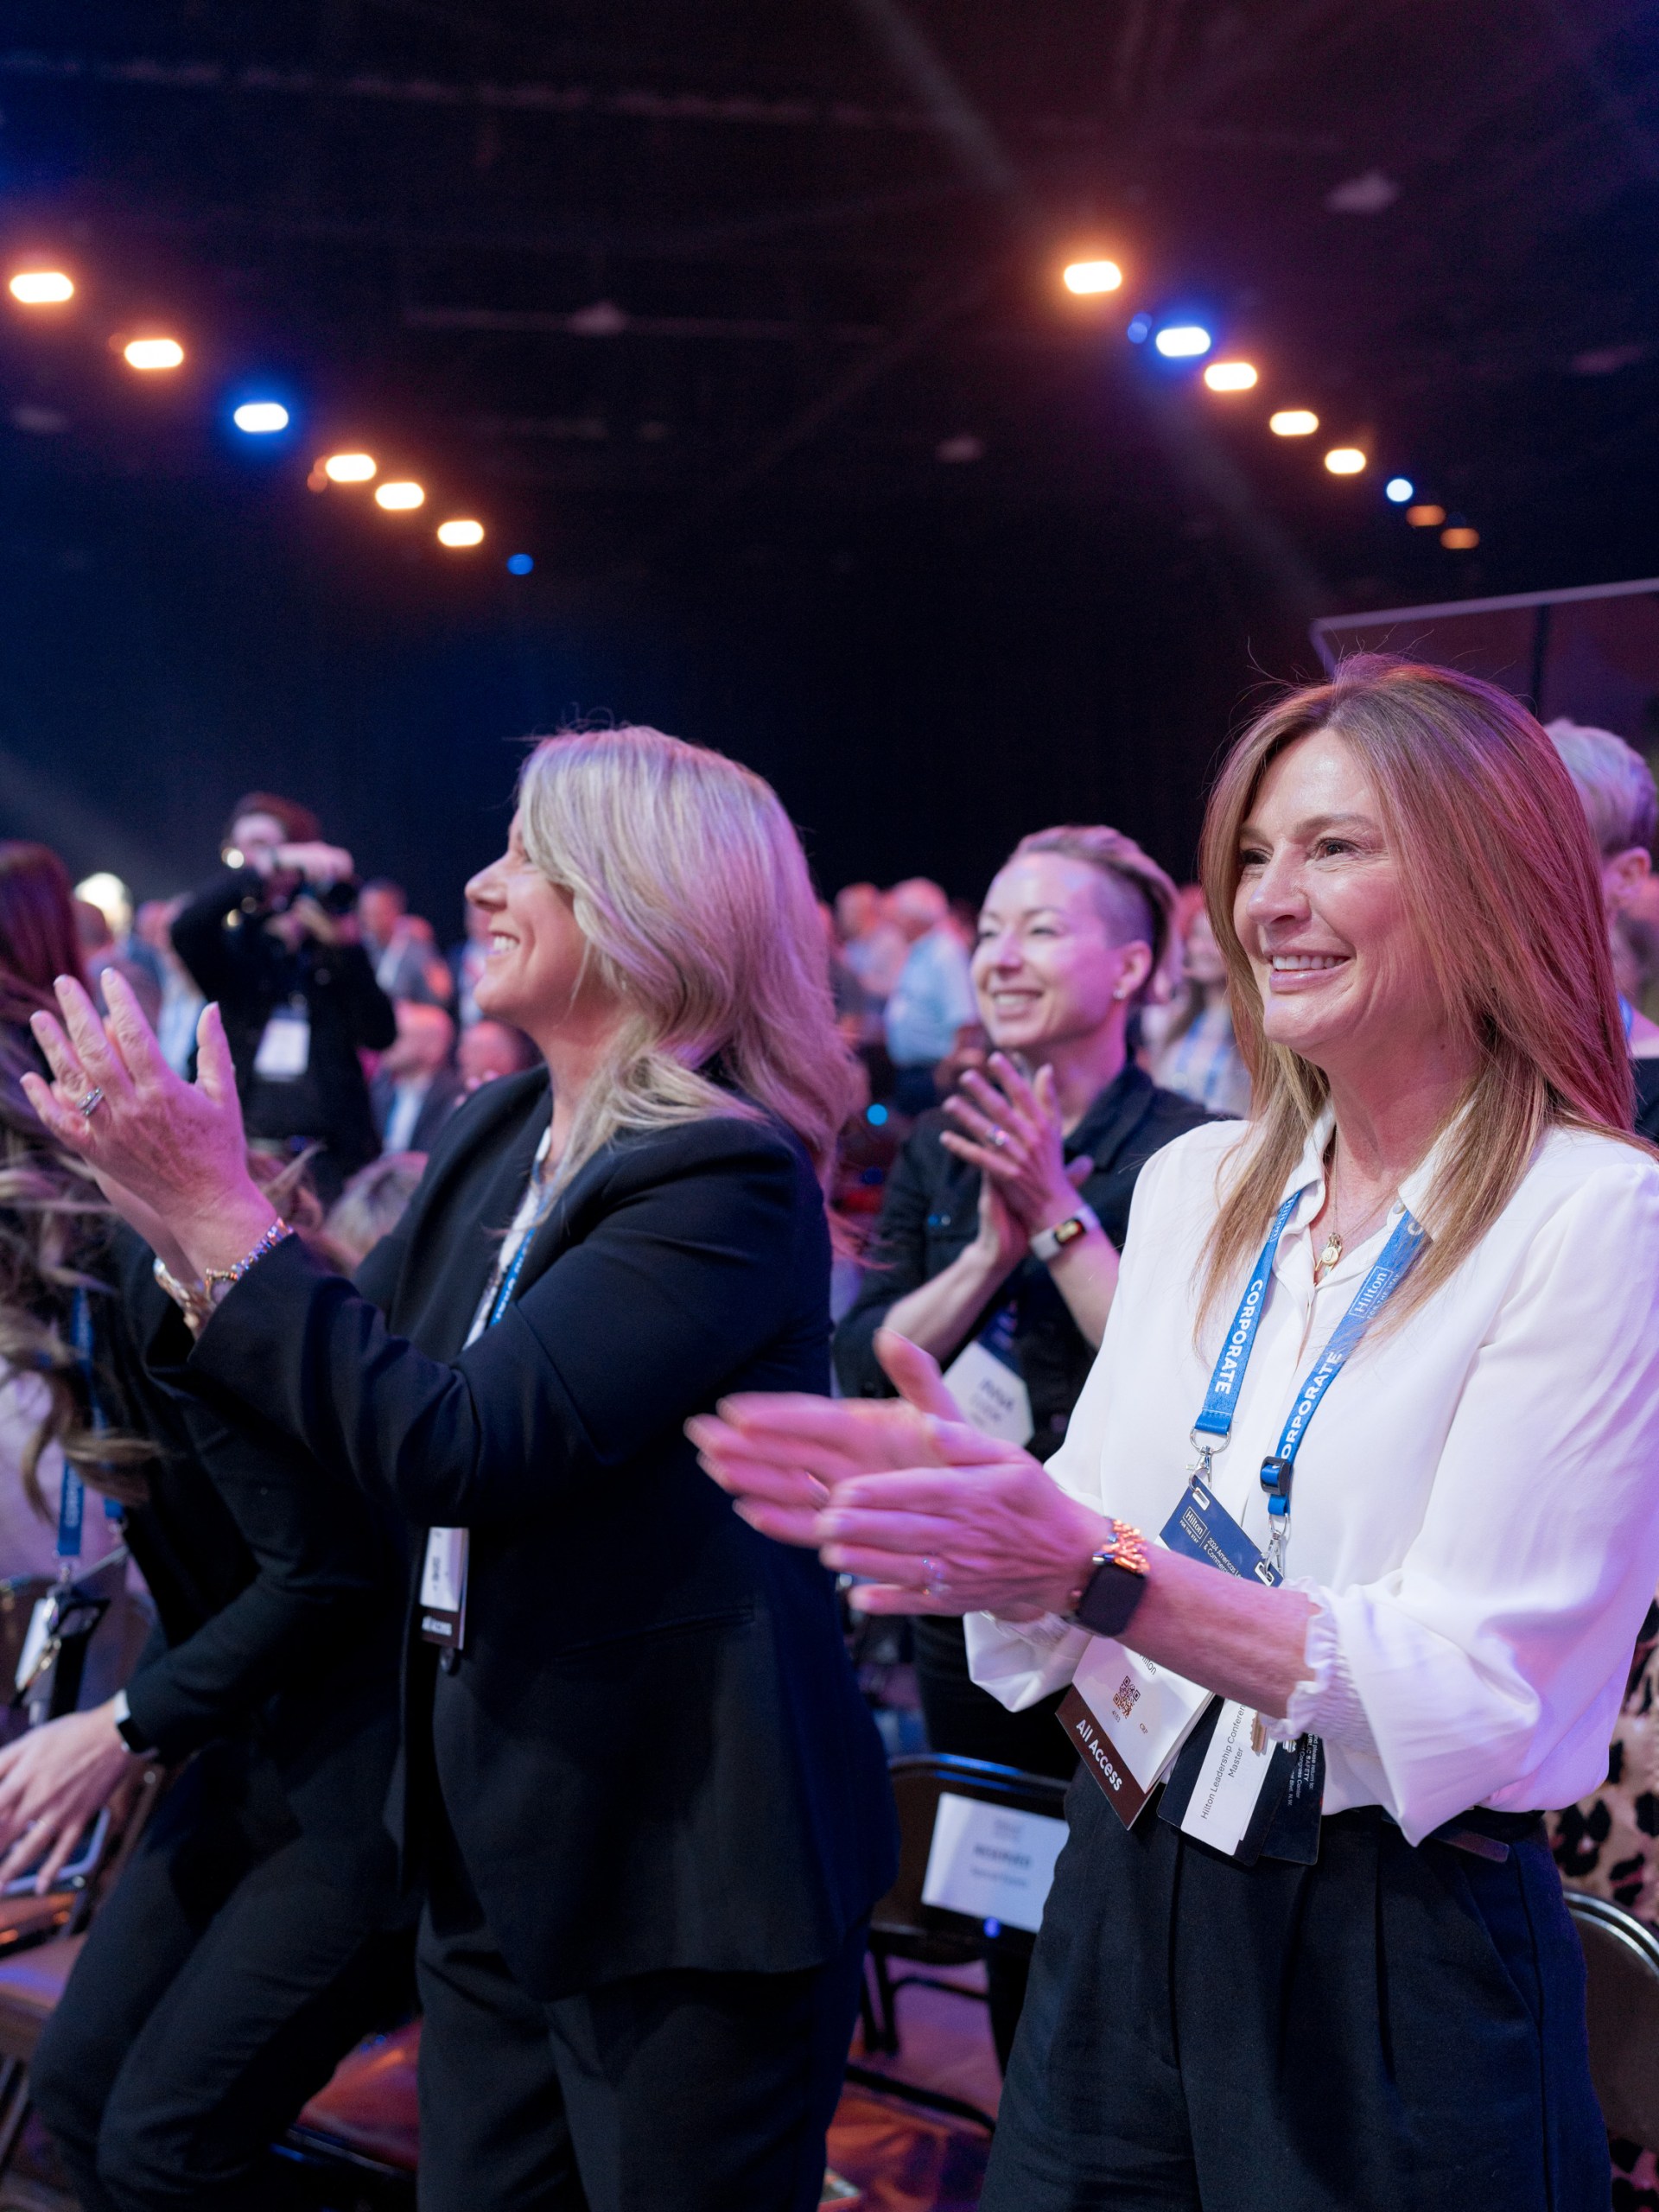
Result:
{"points": [[1329, 1256]]}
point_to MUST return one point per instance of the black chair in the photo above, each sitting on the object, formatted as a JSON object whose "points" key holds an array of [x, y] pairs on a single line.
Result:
{"points": [[904, 1928], [1620, 1957]]}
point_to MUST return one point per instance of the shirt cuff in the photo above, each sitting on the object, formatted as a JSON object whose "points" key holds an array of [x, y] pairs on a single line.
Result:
{"points": [[1326, 1704]]}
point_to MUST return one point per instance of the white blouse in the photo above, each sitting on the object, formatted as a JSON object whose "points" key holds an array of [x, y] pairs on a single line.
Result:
{"points": [[1474, 1510]]}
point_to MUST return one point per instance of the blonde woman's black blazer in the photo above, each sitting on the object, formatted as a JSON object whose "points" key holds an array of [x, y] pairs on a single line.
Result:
{"points": [[653, 1753]]}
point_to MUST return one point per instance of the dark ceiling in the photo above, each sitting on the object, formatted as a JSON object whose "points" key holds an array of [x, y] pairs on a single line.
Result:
{"points": [[677, 297]]}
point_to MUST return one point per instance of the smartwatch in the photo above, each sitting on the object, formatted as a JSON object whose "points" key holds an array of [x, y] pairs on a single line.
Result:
{"points": [[1049, 1243], [1116, 1583], [128, 1729]]}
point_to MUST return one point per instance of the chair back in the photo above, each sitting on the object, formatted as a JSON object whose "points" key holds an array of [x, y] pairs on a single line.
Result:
{"points": [[1620, 1957], [976, 1846]]}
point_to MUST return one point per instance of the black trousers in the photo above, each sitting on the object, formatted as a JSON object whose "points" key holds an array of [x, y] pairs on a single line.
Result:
{"points": [[219, 1988], [675, 2092], [1389, 2030], [970, 1722]]}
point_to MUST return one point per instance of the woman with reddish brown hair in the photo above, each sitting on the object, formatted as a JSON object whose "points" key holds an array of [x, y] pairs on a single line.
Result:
{"points": [[1306, 1950]]}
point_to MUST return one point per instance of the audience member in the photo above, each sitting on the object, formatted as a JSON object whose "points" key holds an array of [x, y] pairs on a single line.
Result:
{"points": [[99, 952], [1197, 1053], [181, 1002], [874, 946], [933, 998], [1003, 1214], [1616, 786], [274, 941], [371, 1207], [488, 1050], [652, 1806], [416, 1089], [401, 947], [467, 963], [1340, 1911]]}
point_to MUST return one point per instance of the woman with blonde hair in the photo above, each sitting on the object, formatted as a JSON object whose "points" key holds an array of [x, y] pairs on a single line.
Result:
{"points": [[1381, 1383], [649, 1806]]}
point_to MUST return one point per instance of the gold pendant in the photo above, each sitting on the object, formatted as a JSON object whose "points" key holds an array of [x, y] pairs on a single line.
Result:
{"points": [[1331, 1253]]}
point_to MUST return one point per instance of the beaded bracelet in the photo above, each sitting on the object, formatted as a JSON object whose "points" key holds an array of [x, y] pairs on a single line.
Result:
{"points": [[218, 1280]]}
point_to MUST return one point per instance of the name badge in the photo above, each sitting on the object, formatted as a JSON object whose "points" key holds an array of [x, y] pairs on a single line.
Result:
{"points": [[985, 1380], [443, 1588], [284, 1051], [1231, 1788], [1128, 1717]]}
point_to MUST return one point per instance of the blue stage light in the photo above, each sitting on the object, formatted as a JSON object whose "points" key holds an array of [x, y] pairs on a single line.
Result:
{"points": [[519, 564], [260, 417], [1183, 341], [1140, 329], [1399, 489], [875, 1115]]}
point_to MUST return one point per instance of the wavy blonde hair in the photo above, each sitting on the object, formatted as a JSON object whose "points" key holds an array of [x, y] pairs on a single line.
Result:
{"points": [[690, 887], [1500, 878]]}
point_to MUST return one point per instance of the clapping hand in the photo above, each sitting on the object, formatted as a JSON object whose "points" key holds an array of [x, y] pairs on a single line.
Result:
{"points": [[1011, 1131]]}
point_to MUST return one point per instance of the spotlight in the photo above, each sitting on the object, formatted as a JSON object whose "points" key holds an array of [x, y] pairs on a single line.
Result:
{"points": [[1229, 376], [41, 288], [1459, 538], [1090, 278], [1344, 461], [261, 418], [1139, 330], [400, 496], [349, 467], [1399, 489], [1183, 341], [519, 564], [1293, 423], [153, 353], [460, 533], [1425, 518]]}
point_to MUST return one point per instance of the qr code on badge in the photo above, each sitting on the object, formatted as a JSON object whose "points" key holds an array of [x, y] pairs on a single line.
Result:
{"points": [[1128, 1696]]}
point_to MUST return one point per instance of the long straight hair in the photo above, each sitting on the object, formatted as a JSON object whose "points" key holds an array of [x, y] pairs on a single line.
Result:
{"points": [[690, 885], [1500, 879]]}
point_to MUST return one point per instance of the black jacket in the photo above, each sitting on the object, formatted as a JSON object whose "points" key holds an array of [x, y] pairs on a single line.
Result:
{"points": [[221, 939], [931, 1215], [279, 1600], [653, 1753]]}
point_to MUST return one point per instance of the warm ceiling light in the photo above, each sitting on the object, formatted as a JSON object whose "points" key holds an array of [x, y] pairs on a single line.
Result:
{"points": [[153, 353], [1425, 518], [1183, 341], [1089, 277], [1461, 539], [350, 467], [1293, 423], [400, 496], [41, 288], [460, 533], [1344, 461], [1229, 376]]}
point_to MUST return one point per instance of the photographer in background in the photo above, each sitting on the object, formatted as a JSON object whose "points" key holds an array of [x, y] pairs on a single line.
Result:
{"points": [[275, 940]]}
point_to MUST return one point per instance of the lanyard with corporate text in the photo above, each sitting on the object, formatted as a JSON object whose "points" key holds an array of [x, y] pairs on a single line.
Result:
{"points": [[1214, 1424]]}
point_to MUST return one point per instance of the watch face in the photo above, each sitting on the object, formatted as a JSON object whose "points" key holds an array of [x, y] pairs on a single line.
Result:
{"points": [[1068, 1231]]}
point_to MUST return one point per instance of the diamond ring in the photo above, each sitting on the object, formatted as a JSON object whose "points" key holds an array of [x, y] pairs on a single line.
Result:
{"points": [[91, 1102]]}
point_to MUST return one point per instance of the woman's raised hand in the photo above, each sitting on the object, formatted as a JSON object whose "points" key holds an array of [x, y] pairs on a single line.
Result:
{"points": [[941, 1518], [177, 1148], [1011, 1130]]}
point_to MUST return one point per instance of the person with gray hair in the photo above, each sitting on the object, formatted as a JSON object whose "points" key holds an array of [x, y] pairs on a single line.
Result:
{"points": [[1616, 786]]}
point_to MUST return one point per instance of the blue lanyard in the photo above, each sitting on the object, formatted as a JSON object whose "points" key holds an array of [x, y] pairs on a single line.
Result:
{"points": [[71, 1496], [1387, 1273], [510, 1280]]}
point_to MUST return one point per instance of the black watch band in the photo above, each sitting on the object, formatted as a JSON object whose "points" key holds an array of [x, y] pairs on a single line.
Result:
{"points": [[1108, 1599], [132, 1735]]}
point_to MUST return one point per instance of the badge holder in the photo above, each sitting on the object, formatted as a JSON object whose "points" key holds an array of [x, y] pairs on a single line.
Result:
{"points": [[985, 1380]]}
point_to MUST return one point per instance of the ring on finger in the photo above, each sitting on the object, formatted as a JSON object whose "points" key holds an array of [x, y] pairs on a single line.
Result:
{"points": [[1000, 1139], [91, 1102], [934, 1584]]}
